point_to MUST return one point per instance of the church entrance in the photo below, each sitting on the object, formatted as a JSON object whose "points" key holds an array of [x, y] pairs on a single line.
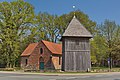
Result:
{"points": [[41, 65]]}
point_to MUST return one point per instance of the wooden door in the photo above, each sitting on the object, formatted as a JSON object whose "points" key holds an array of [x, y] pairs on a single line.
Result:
{"points": [[41, 65]]}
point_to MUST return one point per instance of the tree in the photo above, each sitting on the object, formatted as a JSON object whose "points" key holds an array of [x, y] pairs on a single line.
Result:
{"points": [[98, 50], [16, 18], [46, 27], [51, 27], [116, 47], [110, 31]]}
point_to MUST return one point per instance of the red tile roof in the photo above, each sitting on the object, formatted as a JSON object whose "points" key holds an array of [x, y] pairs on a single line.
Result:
{"points": [[29, 49], [53, 47]]}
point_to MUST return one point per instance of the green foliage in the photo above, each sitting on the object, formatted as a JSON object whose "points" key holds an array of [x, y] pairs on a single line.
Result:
{"points": [[19, 26], [106, 42], [111, 32], [98, 49], [15, 20], [51, 27], [46, 27]]}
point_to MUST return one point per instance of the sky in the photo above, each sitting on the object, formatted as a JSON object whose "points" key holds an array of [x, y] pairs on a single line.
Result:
{"points": [[97, 10]]}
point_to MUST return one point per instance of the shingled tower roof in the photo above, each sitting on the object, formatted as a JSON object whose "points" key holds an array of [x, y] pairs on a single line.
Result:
{"points": [[76, 29]]}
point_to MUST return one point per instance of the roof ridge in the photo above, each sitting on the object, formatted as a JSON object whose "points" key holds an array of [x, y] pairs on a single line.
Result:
{"points": [[51, 42], [52, 47]]}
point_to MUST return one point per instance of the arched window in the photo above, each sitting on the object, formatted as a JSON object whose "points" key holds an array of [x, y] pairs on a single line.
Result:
{"points": [[41, 51]]}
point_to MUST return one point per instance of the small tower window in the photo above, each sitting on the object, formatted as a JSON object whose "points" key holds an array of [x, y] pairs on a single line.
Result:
{"points": [[41, 51]]}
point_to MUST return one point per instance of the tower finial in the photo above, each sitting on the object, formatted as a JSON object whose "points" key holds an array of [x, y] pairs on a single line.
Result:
{"points": [[74, 9]]}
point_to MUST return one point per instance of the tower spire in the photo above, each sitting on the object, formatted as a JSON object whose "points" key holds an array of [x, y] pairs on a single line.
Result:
{"points": [[74, 9]]}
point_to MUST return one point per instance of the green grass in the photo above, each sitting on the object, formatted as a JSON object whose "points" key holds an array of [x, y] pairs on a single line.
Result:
{"points": [[93, 70], [105, 69], [6, 69]]}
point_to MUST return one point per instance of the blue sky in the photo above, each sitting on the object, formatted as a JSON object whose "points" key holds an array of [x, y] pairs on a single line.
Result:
{"points": [[97, 10]]}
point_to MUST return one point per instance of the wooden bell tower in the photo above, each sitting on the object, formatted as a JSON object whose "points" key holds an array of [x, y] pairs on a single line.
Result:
{"points": [[76, 47]]}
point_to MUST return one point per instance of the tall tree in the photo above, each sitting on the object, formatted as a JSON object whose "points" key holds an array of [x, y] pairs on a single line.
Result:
{"points": [[16, 18], [46, 26], [51, 27], [98, 50], [110, 31]]}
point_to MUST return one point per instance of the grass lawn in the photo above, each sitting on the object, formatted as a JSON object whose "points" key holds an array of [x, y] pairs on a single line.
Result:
{"points": [[93, 70], [105, 69]]}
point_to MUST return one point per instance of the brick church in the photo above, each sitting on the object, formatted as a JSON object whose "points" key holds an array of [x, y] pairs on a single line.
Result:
{"points": [[43, 55], [74, 51]]}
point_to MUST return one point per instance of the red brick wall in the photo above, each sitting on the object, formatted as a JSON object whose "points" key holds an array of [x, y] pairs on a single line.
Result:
{"points": [[23, 62], [34, 59]]}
